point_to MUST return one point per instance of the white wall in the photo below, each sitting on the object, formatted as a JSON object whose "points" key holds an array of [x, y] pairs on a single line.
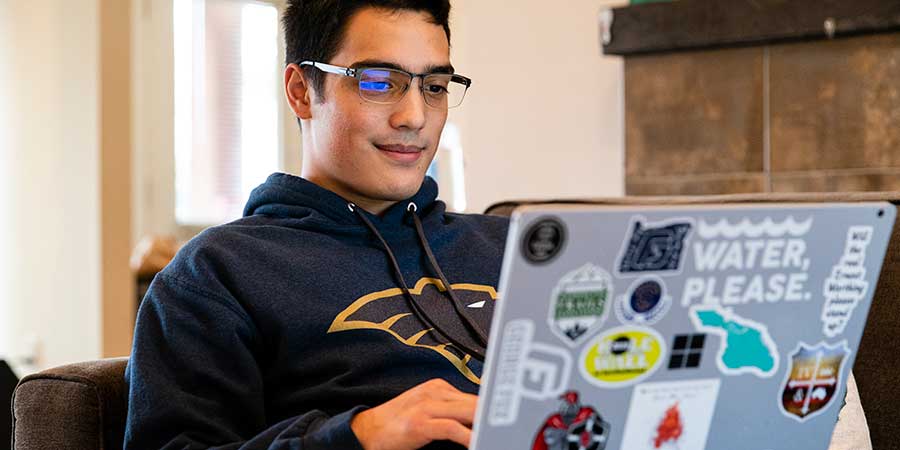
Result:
{"points": [[153, 162], [49, 179], [6, 161], [544, 116]]}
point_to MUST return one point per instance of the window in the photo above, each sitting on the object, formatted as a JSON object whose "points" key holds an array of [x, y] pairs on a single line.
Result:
{"points": [[227, 125]]}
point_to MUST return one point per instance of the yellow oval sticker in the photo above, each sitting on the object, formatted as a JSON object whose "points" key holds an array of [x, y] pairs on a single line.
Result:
{"points": [[622, 356]]}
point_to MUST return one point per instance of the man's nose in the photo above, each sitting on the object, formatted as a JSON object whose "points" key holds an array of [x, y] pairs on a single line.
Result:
{"points": [[410, 111]]}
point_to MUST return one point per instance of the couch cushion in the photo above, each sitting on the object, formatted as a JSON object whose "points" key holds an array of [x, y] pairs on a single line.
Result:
{"points": [[77, 406], [851, 431]]}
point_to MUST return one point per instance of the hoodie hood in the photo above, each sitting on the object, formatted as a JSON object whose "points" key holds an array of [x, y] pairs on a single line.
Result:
{"points": [[291, 197], [296, 199]]}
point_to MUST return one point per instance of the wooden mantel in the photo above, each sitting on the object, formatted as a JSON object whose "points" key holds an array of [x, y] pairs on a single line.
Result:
{"points": [[707, 24]]}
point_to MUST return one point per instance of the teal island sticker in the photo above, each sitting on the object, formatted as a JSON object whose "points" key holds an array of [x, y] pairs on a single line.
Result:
{"points": [[746, 346]]}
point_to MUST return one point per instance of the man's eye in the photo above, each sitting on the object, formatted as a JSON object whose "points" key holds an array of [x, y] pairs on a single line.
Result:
{"points": [[436, 89], [376, 86]]}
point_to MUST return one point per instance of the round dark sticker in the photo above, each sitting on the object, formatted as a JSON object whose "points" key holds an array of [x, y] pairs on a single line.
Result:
{"points": [[620, 345], [646, 296], [644, 303], [543, 240]]}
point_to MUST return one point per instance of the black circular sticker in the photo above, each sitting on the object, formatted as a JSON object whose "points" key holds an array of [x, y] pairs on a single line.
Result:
{"points": [[544, 240], [646, 296], [620, 345]]}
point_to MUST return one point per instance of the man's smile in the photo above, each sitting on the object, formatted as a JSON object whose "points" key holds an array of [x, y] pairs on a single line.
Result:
{"points": [[400, 152]]}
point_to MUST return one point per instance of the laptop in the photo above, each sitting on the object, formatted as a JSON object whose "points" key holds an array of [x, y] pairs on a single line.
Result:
{"points": [[723, 327]]}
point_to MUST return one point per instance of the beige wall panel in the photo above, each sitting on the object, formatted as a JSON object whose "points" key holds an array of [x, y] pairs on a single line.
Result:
{"points": [[544, 115], [118, 284]]}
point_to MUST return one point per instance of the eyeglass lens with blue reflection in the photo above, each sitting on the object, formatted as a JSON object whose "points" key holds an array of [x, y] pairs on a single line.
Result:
{"points": [[387, 86]]}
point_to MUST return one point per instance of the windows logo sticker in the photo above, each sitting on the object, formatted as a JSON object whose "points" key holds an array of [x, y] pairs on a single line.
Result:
{"points": [[687, 350]]}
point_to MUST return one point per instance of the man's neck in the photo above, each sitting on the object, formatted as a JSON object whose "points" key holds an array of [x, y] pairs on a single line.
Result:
{"points": [[372, 206]]}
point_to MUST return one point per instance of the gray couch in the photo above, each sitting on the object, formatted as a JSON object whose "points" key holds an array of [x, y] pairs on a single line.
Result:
{"points": [[77, 406], [83, 406]]}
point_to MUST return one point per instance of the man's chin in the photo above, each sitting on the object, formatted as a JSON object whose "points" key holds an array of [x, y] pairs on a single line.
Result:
{"points": [[400, 188], [400, 193]]}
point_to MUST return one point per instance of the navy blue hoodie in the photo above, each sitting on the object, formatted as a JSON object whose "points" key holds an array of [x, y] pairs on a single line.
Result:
{"points": [[272, 331]]}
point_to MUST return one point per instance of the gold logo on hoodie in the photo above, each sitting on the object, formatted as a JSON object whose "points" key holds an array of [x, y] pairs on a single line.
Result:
{"points": [[372, 312]]}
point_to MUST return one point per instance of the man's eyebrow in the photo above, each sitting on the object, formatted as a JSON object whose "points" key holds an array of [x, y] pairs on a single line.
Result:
{"points": [[447, 68], [441, 68]]}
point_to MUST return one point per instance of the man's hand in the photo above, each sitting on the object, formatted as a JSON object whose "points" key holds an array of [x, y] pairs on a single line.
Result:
{"points": [[431, 411]]}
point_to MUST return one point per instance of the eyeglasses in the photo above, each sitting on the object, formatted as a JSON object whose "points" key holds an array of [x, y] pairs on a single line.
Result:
{"points": [[387, 86]]}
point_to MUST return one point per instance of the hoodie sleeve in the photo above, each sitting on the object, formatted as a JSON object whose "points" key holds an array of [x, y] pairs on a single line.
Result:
{"points": [[195, 383]]}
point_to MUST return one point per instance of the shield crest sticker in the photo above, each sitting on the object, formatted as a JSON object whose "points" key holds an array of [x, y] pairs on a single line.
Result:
{"points": [[579, 303], [813, 379]]}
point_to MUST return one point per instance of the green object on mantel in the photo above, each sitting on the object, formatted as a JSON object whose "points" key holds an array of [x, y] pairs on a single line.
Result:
{"points": [[639, 2]]}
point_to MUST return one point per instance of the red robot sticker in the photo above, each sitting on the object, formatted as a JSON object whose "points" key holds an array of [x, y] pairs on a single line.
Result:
{"points": [[574, 427]]}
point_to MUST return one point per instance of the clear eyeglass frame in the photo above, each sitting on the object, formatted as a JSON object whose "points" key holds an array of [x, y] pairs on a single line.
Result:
{"points": [[387, 86]]}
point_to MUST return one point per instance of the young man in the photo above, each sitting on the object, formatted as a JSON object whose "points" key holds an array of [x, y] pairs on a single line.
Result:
{"points": [[347, 309]]}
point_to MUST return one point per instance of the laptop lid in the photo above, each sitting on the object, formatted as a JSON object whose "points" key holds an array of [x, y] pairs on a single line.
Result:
{"points": [[688, 327]]}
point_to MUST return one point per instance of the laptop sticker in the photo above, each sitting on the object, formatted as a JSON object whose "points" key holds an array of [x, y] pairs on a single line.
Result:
{"points": [[644, 303], [847, 285], [747, 229], [573, 426], [672, 415], [579, 303], [544, 240], [776, 248], [745, 346], [622, 356], [813, 379], [687, 351], [653, 247], [525, 369]]}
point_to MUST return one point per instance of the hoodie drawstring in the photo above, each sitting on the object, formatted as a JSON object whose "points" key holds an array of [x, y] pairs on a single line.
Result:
{"points": [[480, 335], [470, 325]]}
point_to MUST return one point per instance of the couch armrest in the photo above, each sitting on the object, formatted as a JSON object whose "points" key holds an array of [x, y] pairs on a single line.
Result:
{"points": [[76, 406]]}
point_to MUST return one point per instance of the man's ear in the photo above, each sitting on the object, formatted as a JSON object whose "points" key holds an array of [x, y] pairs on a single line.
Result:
{"points": [[297, 91]]}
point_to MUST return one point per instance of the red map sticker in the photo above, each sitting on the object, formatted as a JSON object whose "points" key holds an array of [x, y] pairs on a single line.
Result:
{"points": [[670, 427], [670, 415]]}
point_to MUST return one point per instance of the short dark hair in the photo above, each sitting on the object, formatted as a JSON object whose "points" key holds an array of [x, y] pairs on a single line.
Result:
{"points": [[314, 29]]}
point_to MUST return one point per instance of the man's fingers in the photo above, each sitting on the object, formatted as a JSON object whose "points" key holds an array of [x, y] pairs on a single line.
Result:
{"points": [[439, 383], [439, 389], [431, 411], [461, 410], [448, 430]]}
